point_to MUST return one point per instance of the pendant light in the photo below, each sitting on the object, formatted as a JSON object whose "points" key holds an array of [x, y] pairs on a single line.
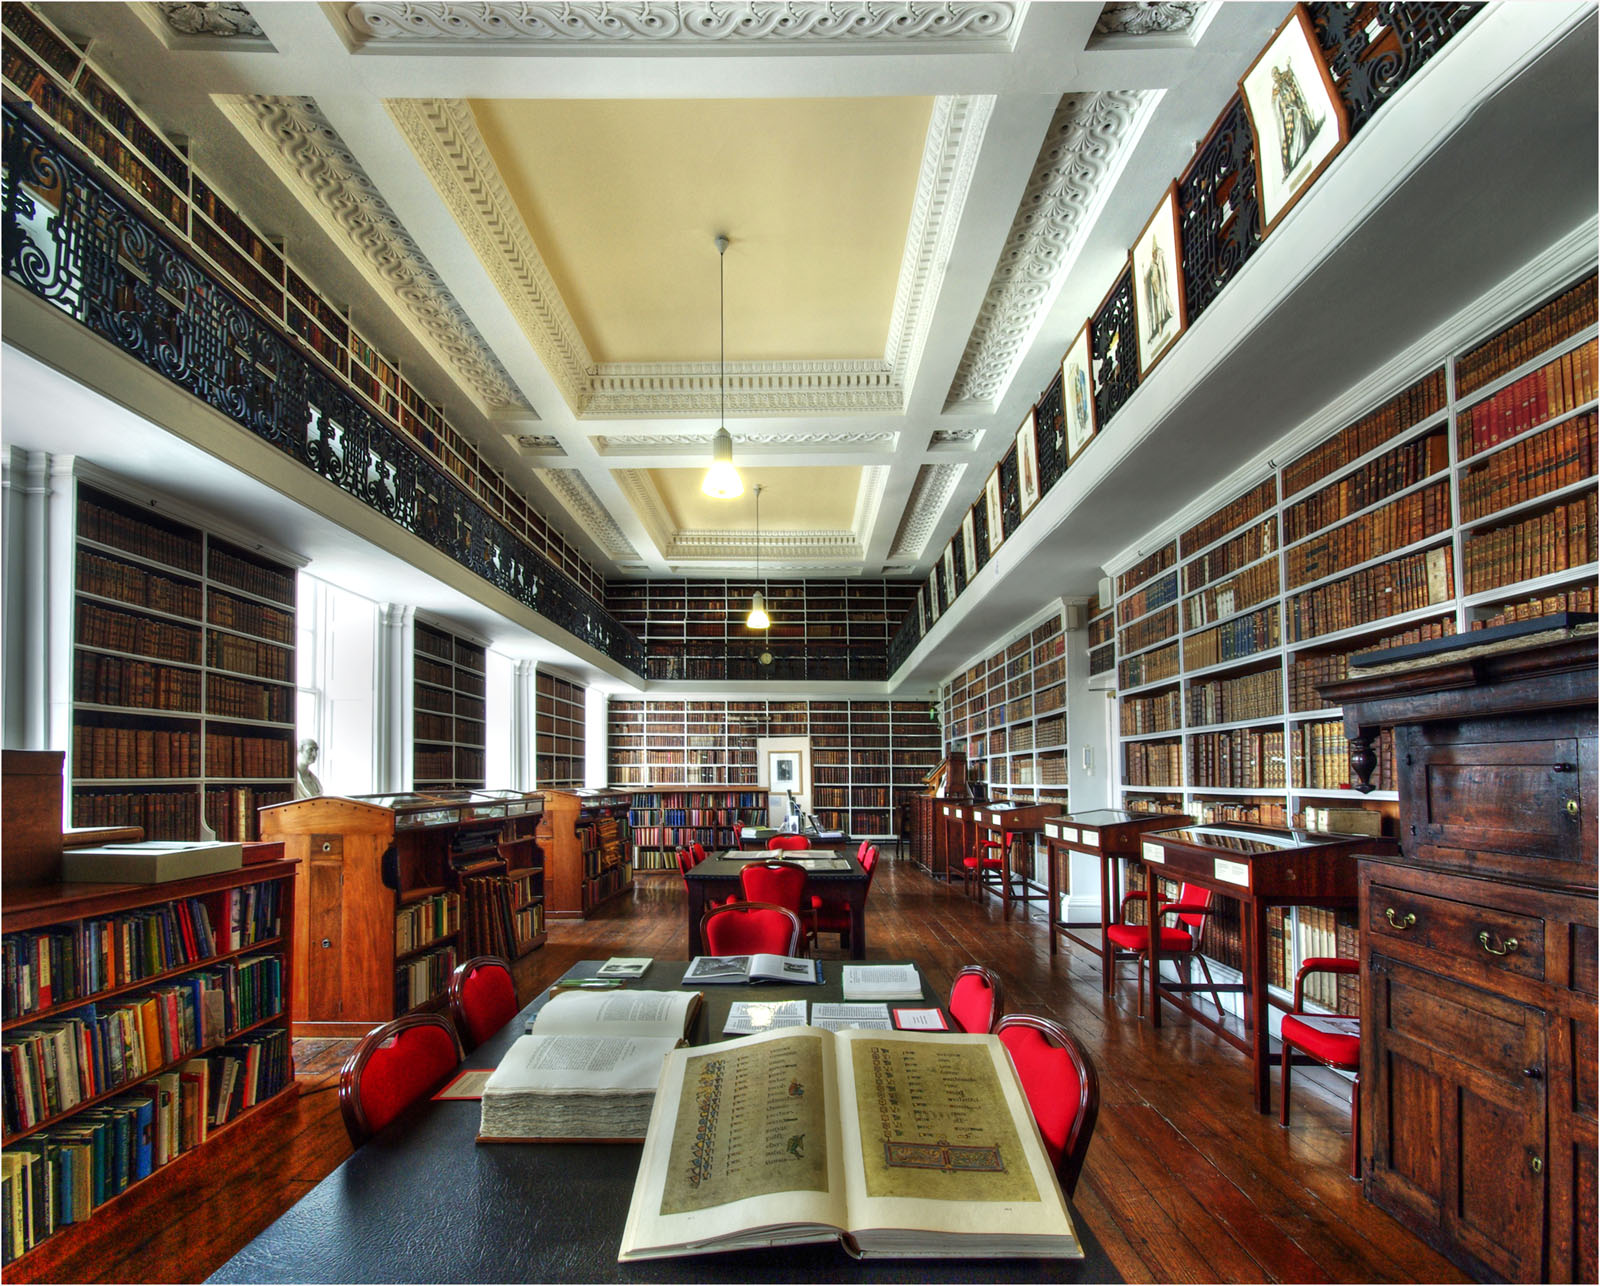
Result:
{"points": [[722, 480], [758, 618]]}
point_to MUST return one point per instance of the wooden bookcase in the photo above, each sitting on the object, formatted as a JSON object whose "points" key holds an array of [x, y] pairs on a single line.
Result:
{"points": [[182, 673], [221, 958], [664, 821], [447, 710], [1102, 644], [383, 911], [587, 845], [559, 737]]}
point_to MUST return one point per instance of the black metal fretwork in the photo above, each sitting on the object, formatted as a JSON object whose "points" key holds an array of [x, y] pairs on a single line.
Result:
{"points": [[1373, 49], [1112, 350], [1219, 222]]}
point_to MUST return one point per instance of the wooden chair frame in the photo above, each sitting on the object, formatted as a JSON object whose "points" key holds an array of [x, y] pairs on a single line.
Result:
{"points": [[1162, 909], [794, 921], [1088, 1111], [996, 990], [355, 1116], [1323, 964], [458, 986]]}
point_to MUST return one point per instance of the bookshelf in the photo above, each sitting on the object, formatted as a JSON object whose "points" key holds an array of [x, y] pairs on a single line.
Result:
{"points": [[182, 672], [448, 712], [129, 1077], [587, 842], [866, 757], [398, 889], [663, 821], [559, 732], [1464, 500]]}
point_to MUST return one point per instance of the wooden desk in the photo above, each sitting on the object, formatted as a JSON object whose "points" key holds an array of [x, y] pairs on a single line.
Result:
{"points": [[955, 835], [998, 821], [548, 1212], [717, 877], [1112, 836], [1259, 867]]}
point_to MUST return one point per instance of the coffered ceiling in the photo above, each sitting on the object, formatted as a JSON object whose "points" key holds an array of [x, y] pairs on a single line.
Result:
{"points": [[923, 200]]}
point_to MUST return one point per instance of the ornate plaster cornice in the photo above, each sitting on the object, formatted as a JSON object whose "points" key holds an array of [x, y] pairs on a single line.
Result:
{"points": [[572, 489], [891, 25], [1089, 138], [954, 437], [1151, 18], [221, 21], [776, 546], [929, 495], [874, 482], [300, 145], [694, 443], [444, 135], [535, 443]]}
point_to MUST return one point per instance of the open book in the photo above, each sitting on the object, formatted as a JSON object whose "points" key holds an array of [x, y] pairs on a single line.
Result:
{"points": [[588, 1068], [896, 1144], [757, 968]]}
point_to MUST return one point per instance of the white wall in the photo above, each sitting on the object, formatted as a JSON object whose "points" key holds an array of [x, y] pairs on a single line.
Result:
{"points": [[500, 728], [335, 677], [778, 804]]}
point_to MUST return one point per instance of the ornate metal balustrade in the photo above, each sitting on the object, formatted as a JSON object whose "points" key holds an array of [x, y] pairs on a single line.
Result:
{"points": [[72, 242]]}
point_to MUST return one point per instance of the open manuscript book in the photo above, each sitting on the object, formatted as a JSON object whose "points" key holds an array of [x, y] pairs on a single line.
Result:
{"points": [[896, 1144]]}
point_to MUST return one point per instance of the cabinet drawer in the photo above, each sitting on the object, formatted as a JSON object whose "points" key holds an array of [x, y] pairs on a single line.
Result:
{"points": [[1483, 936]]}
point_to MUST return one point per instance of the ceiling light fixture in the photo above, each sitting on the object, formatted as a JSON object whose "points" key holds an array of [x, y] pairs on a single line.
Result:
{"points": [[758, 618], [722, 479]]}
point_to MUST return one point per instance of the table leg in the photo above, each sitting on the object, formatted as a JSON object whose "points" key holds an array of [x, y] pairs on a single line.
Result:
{"points": [[697, 907], [1108, 899], [1005, 877], [858, 927], [1255, 977], [1153, 919], [1052, 884]]}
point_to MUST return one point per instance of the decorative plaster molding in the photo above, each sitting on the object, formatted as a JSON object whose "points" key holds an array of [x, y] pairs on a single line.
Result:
{"points": [[1089, 138], [740, 546], [1150, 18], [535, 443], [654, 389], [572, 489], [707, 24], [954, 437], [223, 21], [695, 442], [926, 505], [307, 153], [869, 496]]}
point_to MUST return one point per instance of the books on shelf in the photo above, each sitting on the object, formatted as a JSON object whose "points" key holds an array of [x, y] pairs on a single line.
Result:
{"points": [[761, 967], [803, 1136], [587, 1068]]}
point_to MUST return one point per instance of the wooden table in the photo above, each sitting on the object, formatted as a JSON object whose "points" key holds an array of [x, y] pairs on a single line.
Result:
{"points": [[1259, 867], [718, 876], [956, 833], [1112, 836], [420, 1203], [999, 821]]}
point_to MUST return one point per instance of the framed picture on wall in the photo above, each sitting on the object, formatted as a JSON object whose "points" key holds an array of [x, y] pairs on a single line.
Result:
{"points": [[922, 609], [1077, 395], [1158, 305], [783, 770], [1028, 463], [1296, 115], [950, 569], [933, 596], [969, 544], [992, 510]]}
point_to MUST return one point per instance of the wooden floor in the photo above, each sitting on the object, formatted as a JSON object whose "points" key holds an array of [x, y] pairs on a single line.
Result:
{"points": [[1183, 1181]]}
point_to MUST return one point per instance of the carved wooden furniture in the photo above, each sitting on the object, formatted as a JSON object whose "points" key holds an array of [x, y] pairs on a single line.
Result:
{"points": [[1478, 953], [585, 841], [483, 998], [946, 788], [977, 999], [1003, 829], [393, 1066]]}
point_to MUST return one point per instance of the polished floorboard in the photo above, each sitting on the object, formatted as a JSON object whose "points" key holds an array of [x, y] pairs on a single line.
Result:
{"points": [[1183, 1181]]}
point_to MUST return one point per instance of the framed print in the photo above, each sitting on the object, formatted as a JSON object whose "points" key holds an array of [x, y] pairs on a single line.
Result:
{"points": [[933, 596], [1028, 463], [950, 570], [922, 609], [1077, 395], [1296, 115], [1158, 283], [783, 769], [969, 544], [992, 510]]}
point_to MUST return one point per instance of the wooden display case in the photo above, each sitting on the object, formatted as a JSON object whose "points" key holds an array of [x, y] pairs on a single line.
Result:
{"points": [[586, 841]]}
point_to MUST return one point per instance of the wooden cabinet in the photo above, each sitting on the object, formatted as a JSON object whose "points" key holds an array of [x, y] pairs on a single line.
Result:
{"points": [[586, 842], [1478, 950]]}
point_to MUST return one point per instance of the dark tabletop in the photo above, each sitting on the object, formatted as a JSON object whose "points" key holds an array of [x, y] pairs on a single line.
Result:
{"points": [[422, 1202], [727, 865]]}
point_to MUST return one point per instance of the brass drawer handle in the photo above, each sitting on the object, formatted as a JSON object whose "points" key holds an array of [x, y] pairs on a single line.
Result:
{"points": [[1506, 947], [1402, 923]]}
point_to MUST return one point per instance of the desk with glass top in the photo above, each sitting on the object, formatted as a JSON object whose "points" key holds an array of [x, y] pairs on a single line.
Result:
{"points": [[1259, 867]]}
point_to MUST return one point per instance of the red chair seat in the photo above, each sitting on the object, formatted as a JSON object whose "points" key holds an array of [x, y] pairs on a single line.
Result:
{"points": [[1330, 1047], [1136, 937]]}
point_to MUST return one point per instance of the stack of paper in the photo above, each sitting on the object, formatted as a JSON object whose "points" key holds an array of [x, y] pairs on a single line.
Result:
{"points": [[882, 982]]}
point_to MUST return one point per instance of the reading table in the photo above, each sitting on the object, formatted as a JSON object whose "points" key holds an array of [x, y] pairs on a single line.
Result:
{"points": [[838, 875], [422, 1202], [998, 823]]}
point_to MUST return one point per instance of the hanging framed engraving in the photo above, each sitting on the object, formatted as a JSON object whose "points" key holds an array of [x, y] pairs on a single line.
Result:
{"points": [[933, 596], [950, 571], [992, 509], [1158, 306], [1077, 395], [1296, 115], [969, 544], [1028, 463]]}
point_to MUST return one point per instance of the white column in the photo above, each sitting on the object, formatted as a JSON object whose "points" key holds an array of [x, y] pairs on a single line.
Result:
{"points": [[596, 756], [392, 742], [522, 726], [1088, 772]]}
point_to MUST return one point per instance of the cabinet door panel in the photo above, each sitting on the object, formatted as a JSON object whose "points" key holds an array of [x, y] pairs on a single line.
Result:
{"points": [[324, 929], [1498, 1207]]}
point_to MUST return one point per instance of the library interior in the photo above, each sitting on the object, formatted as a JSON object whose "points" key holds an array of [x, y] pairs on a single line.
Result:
{"points": [[1061, 536]]}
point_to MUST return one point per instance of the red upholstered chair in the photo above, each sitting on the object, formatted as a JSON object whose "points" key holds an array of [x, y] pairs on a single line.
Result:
{"points": [[1062, 1086], [780, 883], [780, 842], [829, 916], [392, 1067], [976, 999], [1181, 941], [745, 928], [1305, 1035], [483, 998], [697, 854]]}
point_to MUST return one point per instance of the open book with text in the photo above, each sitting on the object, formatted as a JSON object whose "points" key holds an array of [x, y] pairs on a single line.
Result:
{"points": [[895, 1144]]}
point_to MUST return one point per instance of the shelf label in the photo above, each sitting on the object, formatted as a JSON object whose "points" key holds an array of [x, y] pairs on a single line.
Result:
{"points": [[1233, 872], [1153, 852], [957, 814], [994, 819], [1052, 830], [1092, 838], [945, 810], [1070, 834]]}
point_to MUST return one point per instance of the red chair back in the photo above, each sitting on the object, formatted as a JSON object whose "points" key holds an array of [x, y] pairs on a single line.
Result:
{"points": [[745, 928], [780, 842], [1062, 1087], [780, 883], [392, 1067], [483, 998], [697, 854], [869, 862], [861, 853], [685, 862], [1194, 895], [976, 999]]}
